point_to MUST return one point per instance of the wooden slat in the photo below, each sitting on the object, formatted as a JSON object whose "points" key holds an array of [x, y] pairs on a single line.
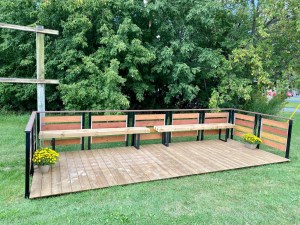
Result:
{"points": [[152, 136], [216, 115], [185, 134], [63, 142], [244, 117], [239, 134], [190, 127], [274, 145], [186, 116], [189, 121], [274, 130], [109, 125], [150, 117], [244, 123], [244, 129], [66, 126], [216, 120], [213, 132], [108, 139], [275, 123], [274, 137], [109, 118], [60, 119], [28, 81], [27, 28], [149, 123], [92, 132]]}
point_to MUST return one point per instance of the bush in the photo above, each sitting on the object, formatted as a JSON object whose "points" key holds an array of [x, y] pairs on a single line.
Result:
{"points": [[260, 103]]}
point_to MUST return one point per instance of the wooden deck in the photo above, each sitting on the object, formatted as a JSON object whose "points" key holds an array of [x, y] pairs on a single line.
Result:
{"points": [[84, 170]]}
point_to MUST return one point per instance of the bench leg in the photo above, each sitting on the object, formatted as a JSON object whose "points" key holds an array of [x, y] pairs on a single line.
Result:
{"points": [[226, 135], [165, 137], [137, 139], [53, 143]]}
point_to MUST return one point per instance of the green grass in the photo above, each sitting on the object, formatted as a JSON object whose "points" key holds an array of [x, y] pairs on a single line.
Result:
{"points": [[261, 195], [292, 104]]}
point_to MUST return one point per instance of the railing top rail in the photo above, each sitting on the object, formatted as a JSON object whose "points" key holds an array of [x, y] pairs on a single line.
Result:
{"points": [[164, 110], [256, 113], [142, 110], [30, 122]]}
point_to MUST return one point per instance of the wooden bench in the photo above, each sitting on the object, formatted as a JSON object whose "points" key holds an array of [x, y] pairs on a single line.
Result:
{"points": [[167, 129], [53, 134]]}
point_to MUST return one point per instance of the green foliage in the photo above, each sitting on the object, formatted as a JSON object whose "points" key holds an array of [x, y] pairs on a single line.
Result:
{"points": [[166, 54], [259, 102]]}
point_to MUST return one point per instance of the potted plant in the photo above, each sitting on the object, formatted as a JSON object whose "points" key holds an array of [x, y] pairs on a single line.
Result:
{"points": [[44, 158], [251, 140]]}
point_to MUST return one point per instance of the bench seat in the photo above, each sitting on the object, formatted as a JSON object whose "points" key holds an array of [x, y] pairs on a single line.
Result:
{"points": [[53, 134], [167, 129], [191, 127]]}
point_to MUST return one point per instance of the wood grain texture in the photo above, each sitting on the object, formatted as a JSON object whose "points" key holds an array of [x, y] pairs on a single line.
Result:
{"points": [[152, 136], [185, 116], [63, 142], [92, 132], [243, 129], [85, 170], [273, 137], [244, 123], [150, 117], [108, 139], [109, 118], [29, 29], [109, 125], [187, 121], [149, 123], [61, 119], [28, 81], [244, 117], [275, 123], [65, 126], [185, 134], [216, 115], [274, 130], [273, 144], [216, 120]]}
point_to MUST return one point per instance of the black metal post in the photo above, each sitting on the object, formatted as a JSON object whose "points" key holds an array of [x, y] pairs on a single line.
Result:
{"points": [[128, 114], [288, 144], [170, 119], [82, 127], [90, 126], [53, 143], [202, 122], [259, 127], [27, 164], [232, 121], [199, 132], [33, 147], [255, 124], [133, 137], [38, 128]]}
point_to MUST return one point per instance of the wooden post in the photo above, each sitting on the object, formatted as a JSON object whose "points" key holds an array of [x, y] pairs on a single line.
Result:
{"points": [[40, 68]]}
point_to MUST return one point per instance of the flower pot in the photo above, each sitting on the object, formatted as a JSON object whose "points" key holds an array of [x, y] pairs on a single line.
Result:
{"points": [[44, 169], [250, 146]]}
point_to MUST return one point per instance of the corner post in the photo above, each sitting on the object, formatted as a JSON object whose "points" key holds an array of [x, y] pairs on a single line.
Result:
{"points": [[133, 137], [202, 122], [288, 144], [27, 164], [232, 121]]}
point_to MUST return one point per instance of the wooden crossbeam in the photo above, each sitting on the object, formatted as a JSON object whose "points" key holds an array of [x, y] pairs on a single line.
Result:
{"points": [[30, 29], [27, 81]]}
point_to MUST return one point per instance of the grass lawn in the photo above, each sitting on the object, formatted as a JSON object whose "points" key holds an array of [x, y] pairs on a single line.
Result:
{"points": [[292, 104], [262, 195]]}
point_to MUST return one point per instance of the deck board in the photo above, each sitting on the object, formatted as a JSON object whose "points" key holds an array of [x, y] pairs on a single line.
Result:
{"points": [[86, 170]]}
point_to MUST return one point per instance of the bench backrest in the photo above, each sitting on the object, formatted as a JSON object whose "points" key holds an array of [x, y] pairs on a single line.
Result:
{"points": [[109, 121], [150, 120], [61, 123], [185, 118], [220, 117]]}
